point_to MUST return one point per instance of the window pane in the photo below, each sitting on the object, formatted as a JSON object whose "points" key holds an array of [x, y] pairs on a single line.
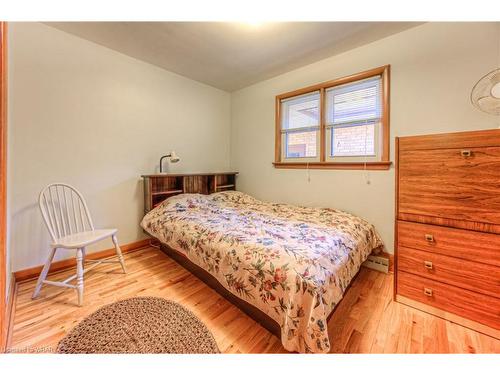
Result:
{"points": [[354, 140], [301, 111], [354, 101], [301, 144]]}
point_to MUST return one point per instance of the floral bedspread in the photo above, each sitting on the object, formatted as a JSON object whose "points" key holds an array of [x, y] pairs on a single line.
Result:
{"points": [[293, 263]]}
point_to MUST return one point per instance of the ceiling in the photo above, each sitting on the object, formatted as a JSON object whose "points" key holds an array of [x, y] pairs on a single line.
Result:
{"points": [[230, 55]]}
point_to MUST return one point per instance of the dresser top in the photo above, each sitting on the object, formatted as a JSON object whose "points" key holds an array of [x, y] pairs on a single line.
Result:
{"points": [[187, 174], [476, 138]]}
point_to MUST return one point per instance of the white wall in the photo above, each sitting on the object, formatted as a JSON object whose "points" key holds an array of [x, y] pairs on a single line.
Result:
{"points": [[97, 119], [433, 68]]}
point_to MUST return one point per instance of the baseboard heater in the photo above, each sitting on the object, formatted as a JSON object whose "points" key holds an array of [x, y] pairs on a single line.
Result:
{"points": [[378, 263]]}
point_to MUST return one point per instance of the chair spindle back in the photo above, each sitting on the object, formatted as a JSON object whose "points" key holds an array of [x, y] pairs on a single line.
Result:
{"points": [[64, 210]]}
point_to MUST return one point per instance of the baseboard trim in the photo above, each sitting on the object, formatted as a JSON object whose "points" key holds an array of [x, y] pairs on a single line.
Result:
{"points": [[475, 326], [31, 273], [9, 314]]}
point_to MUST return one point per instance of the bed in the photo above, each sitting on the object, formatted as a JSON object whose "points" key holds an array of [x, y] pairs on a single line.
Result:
{"points": [[291, 263]]}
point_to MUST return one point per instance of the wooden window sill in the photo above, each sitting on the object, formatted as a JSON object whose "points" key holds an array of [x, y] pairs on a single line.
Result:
{"points": [[371, 165]]}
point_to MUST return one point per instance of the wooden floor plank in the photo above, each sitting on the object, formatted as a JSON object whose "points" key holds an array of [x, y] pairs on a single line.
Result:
{"points": [[366, 321]]}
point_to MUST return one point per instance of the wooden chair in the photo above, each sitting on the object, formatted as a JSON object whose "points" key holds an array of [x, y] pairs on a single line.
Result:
{"points": [[70, 226]]}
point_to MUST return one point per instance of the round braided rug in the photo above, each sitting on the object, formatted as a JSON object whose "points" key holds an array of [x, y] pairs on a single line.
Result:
{"points": [[140, 325]]}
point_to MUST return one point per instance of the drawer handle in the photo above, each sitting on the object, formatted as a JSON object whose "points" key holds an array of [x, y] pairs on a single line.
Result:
{"points": [[428, 265], [466, 153], [428, 292], [429, 238]]}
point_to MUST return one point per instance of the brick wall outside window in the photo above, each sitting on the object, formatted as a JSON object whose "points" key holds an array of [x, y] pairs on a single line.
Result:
{"points": [[350, 141], [302, 145]]}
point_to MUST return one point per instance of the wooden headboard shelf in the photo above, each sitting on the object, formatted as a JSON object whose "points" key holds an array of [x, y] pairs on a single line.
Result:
{"points": [[158, 187]]}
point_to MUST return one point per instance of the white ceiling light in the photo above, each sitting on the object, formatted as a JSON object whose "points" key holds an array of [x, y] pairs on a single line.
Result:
{"points": [[252, 24]]}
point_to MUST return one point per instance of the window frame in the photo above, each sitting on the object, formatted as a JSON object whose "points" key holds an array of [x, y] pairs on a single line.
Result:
{"points": [[324, 163]]}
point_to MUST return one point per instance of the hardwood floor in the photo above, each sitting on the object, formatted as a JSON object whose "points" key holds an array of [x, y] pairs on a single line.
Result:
{"points": [[366, 321]]}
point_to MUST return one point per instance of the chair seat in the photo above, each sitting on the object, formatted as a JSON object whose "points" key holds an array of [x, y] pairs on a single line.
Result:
{"points": [[82, 239]]}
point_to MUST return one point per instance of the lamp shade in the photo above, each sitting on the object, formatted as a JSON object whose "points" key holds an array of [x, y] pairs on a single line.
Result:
{"points": [[174, 158]]}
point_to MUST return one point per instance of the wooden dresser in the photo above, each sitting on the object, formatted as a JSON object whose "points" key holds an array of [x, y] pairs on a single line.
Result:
{"points": [[447, 234], [158, 187]]}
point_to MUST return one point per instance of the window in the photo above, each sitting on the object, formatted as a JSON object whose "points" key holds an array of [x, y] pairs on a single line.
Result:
{"points": [[342, 124], [300, 126]]}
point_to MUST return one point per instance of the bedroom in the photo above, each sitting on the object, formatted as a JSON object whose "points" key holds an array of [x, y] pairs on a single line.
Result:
{"points": [[310, 146]]}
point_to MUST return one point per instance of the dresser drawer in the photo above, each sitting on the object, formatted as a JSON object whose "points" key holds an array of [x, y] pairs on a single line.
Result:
{"points": [[474, 276], [452, 183], [458, 243], [474, 306]]}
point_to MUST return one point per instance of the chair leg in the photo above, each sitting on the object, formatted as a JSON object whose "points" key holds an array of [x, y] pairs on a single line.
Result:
{"points": [[119, 253], [43, 274], [79, 275]]}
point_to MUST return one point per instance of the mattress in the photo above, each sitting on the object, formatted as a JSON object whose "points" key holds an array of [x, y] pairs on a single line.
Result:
{"points": [[293, 263]]}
